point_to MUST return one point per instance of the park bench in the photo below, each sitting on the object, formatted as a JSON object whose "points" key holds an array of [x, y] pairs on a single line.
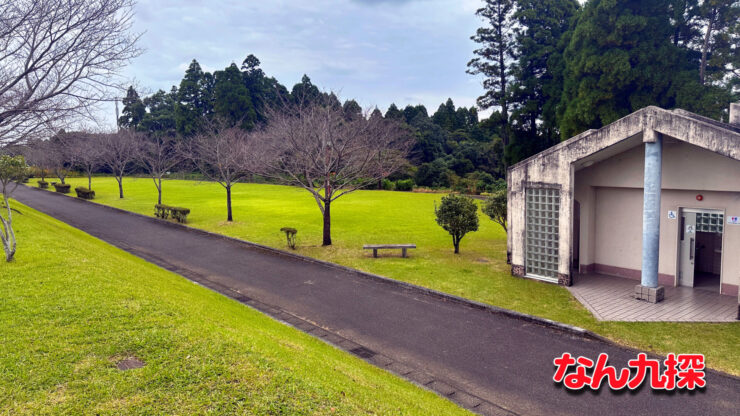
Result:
{"points": [[376, 247]]}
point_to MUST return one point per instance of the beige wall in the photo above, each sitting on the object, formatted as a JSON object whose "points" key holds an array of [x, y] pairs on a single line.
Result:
{"points": [[610, 194]]}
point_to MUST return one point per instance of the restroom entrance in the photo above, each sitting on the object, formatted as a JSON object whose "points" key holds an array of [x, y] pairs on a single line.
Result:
{"points": [[700, 248]]}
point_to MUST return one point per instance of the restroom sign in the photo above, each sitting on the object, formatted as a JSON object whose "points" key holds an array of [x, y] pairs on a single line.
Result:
{"points": [[733, 220], [672, 215], [689, 229]]}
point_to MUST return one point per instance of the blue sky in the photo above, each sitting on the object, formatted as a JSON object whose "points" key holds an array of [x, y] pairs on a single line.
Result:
{"points": [[376, 51]]}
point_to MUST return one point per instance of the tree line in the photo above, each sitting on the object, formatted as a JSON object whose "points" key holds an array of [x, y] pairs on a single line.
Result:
{"points": [[452, 148], [555, 68], [313, 142]]}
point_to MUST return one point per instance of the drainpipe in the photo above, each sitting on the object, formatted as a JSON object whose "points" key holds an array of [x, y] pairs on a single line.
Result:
{"points": [[649, 289]]}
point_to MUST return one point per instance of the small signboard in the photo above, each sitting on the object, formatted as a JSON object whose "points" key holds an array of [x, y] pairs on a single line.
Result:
{"points": [[672, 215], [733, 220], [689, 229]]}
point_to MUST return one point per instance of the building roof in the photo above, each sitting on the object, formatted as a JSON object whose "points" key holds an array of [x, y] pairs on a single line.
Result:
{"points": [[627, 132]]}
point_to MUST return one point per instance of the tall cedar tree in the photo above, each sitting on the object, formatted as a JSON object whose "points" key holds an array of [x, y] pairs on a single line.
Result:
{"points": [[619, 59], [193, 100], [232, 102], [494, 58], [541, 24]]}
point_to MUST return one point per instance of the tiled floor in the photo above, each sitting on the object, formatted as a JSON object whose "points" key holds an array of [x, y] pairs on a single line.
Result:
{"points": [[611, 299]]}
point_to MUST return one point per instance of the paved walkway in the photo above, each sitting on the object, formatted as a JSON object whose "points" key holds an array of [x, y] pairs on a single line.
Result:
{"points": [[611, 299], [488, 362]]}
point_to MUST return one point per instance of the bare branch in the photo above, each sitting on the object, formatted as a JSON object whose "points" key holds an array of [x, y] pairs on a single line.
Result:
{"points": [[59, 59]]}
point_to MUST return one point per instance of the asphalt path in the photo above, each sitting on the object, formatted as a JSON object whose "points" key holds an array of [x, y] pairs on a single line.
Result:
{"points": [[505, 361]]}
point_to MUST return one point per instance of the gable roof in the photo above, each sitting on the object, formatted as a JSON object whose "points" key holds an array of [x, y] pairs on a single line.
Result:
{"points": [[681, 125]]}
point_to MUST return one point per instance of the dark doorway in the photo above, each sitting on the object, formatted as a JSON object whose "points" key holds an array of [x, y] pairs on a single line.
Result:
{"points": [[576, 238]]}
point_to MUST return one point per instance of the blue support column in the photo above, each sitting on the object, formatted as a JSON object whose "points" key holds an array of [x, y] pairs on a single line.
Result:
{"points": [[649, 289]]}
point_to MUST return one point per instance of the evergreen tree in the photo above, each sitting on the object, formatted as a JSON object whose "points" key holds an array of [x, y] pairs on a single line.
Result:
{"points": [[160, 117], [619, 59], [446, 117], [720, 20], [232, 101], [393, 113], [305, 90], [494, 57], [413, 111], [264, 91], [191, 97], [541, 24], [352, 110], [133, 110]]}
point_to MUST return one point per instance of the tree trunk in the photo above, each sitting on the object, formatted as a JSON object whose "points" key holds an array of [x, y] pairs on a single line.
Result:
{"points": [[705, 48], [120, 186], [159, 191], [89, 181], [229, 217], [9, 243], [327, 223], [502, 80], [456, 243]]}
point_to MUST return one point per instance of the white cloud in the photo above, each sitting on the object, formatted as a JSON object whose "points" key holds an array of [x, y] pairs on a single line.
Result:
{"points": [[376, 51]]}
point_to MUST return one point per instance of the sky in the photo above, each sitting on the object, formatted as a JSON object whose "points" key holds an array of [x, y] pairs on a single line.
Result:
{"points": [[374, 51]]}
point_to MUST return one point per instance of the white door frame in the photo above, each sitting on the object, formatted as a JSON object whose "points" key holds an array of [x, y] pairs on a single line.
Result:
{"points": [[681, 210]]}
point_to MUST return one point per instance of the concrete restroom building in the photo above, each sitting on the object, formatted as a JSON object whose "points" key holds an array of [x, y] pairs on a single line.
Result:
{"points": [[654, 197]]}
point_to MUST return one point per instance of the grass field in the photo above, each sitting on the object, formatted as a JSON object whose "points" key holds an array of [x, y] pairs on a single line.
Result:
{"points": [[72, 306], [480, 272]]}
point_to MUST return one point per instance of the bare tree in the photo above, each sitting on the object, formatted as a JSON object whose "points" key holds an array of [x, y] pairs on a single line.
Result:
{"points": [[86, 152], [314, 145], [38, 155], [59, 59], [158, 155], [12, 170], [119, 152], [224, 155], [59, 150]]}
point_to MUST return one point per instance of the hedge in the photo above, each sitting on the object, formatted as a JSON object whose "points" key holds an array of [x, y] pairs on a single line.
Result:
{"points": [[177, 213], [85, 193], [62, 188], [404, 185], [43, 184]]}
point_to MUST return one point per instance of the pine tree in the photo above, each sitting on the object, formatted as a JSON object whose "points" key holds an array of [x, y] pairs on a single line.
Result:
{"points": [[495, 56]]}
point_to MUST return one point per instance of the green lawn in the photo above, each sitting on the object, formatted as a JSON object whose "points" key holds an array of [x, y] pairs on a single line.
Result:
{"points": [[480, 272], [72, 306]]}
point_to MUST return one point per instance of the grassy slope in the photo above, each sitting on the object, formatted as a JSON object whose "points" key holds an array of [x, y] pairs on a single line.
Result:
{"points": [[71, 306], [479, 272]]}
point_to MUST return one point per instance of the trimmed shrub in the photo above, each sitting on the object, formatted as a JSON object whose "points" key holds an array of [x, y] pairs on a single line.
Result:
{"points": [[62, 188], [290, 235], [43, 184], [178, 214], [405, 185], [85, 193]]}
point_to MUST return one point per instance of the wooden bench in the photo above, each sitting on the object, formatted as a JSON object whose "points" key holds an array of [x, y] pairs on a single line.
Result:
{"points": [[376, 247]]}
